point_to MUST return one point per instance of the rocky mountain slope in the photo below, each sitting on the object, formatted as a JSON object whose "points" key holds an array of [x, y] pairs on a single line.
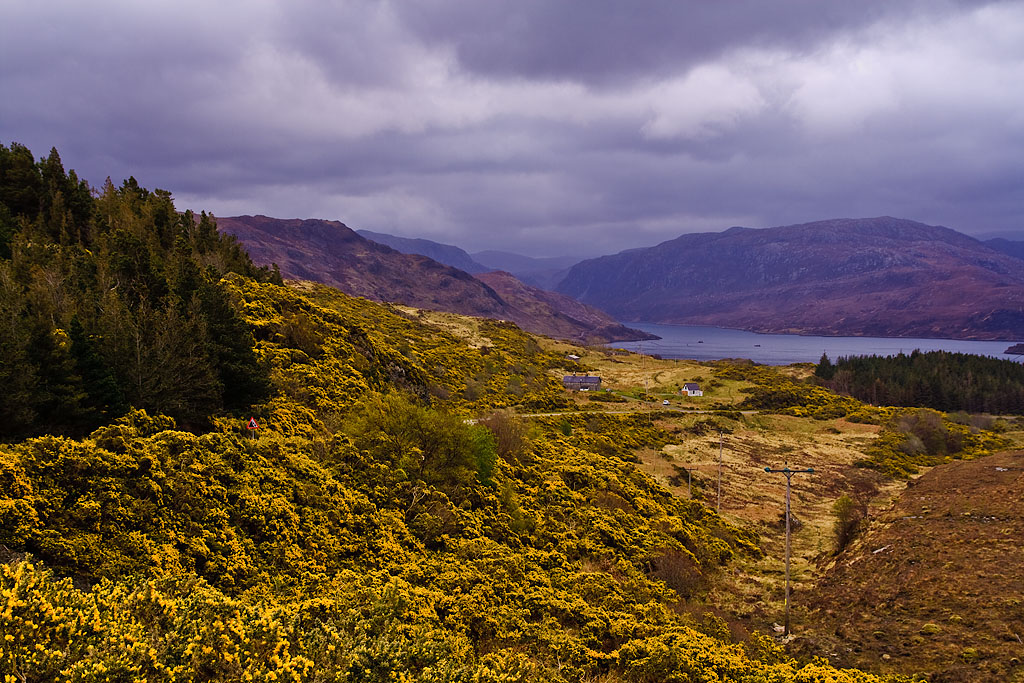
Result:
{"points": [[562, 316], [331, 253], [873, 277], [1014, 248]]}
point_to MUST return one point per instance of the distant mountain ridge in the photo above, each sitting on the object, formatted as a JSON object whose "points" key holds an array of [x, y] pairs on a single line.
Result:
{"points": [[544, 273], [447, 254], [331, 253], [859, 277], [1014, 248], [562, 316]]}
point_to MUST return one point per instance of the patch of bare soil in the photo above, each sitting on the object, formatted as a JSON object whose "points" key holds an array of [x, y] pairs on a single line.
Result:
{"points": [[935, 585]]}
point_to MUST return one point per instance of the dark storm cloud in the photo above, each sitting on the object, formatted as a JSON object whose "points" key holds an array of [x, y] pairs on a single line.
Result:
{"points": [[582, 127], [606, 41]]}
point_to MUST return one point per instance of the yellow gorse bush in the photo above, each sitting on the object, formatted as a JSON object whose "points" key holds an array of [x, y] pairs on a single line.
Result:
{"points": [[369, 531]]}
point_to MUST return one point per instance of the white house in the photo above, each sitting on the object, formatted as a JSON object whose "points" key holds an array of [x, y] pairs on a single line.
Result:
{"points": [[692, 389]]}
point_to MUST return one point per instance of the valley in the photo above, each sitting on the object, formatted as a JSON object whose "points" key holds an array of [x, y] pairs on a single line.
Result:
{"points": [[207, 473], [512, 342]]}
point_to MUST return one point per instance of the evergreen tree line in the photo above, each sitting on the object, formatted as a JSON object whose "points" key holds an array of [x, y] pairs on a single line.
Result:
{"points": [[936, 379], [111, 299]]}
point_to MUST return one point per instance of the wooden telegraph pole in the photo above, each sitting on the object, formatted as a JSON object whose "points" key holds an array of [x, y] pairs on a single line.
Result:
{"points": [[789, 475], [719, 471]]}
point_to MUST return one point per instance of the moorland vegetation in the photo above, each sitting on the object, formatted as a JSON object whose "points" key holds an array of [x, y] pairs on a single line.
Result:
{"points": [[392, 519], [910, 438]]}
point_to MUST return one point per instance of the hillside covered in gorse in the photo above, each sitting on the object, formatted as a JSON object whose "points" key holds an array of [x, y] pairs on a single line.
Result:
{"points": [[394, 517]]}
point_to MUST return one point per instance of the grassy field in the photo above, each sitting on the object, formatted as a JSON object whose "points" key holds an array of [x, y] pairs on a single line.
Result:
{"points": [[749, 496], [753, 594], [630, 375], [461, 326]]}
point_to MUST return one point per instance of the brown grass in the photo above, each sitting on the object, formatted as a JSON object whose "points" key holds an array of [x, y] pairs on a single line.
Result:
{"points": [[753, 590], [938, 573]]}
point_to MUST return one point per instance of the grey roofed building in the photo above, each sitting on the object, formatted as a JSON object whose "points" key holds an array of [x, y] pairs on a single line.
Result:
{"points": [[579, 382]]}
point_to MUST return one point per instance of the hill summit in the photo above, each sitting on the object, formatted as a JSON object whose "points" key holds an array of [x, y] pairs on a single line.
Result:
{"points": [[859, 277]]}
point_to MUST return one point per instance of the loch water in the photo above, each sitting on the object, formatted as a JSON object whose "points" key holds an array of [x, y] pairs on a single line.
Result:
{"points": [[714, 343]]}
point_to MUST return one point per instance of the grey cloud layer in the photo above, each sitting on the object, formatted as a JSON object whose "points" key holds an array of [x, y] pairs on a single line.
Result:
{"points": [[582, 127], [613, 40]]}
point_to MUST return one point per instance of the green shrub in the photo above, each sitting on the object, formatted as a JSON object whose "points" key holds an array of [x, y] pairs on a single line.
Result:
{"points": [[925, 438], [849, 520]]}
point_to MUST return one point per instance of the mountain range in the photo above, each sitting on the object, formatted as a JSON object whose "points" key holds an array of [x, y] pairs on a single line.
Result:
{"points": [[851, 277], [544, 273], [447, 254], [331, 253]]}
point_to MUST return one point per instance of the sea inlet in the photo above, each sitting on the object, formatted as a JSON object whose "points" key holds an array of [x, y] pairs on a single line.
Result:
{"points": [[714, 343]]}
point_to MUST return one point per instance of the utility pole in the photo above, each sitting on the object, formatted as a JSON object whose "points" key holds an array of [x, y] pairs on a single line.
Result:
{"points": [[650, 406], [643, 371], [789, 475], [719, 471]]}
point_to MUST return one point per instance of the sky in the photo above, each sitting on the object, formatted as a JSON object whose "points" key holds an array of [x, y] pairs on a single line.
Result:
{"points": [[544, 127]]}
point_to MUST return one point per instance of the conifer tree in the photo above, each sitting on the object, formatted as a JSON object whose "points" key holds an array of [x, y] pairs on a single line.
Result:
{"points": [[114, 301], [104, 399], [825, 369], [230, 343], [21, 186], [59, 393]]}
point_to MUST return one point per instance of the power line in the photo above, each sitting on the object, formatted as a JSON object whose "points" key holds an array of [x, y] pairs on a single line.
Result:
{"points": [[719, 472], [789, 475]]}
